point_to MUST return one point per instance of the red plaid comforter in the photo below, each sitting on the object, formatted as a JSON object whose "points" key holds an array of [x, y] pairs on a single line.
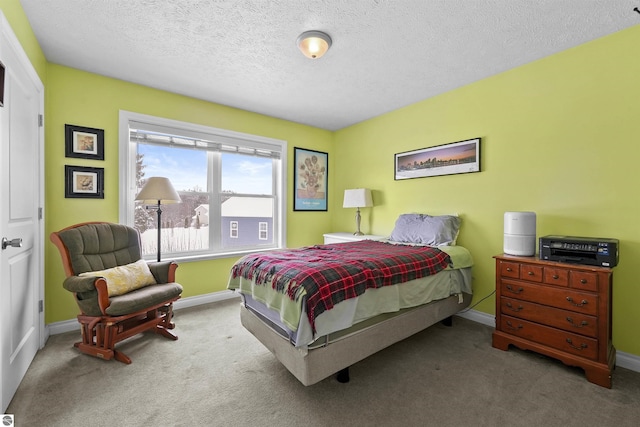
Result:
{"points": [[333, 273]]}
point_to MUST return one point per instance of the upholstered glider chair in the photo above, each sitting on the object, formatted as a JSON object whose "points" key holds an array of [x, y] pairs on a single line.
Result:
{"points": [[119, 293]]}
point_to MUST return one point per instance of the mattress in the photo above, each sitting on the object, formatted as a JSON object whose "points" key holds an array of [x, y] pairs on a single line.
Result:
{"points": [[374, 302], [278, 310]]}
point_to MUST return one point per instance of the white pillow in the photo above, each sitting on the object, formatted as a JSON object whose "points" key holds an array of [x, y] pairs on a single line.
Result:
{"points": [[423, 229], [125, 278]]}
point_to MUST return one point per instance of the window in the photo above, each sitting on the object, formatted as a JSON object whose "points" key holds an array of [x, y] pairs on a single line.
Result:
{"points": [[227, 181], [263, 230]]}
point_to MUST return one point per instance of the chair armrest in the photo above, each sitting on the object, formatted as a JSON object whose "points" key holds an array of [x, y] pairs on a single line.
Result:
{"points": [[163, 271], [80, 284], [91, 293]]}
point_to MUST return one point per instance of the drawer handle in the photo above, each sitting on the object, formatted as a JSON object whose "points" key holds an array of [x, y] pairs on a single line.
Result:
{"points": [[515, 328], [583, 281], [583, 323], [583, 303], [509, 269], [514, 291], [515, 309], [555, 277], [530, 273], [582, 345]]}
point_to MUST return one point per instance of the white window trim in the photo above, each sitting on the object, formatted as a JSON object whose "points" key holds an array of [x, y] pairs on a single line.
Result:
{"points": [[127, 152]]}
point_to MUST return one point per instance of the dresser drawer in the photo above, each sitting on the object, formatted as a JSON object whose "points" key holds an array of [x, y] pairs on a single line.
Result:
{"points": [[570, 321], [555, 338], [584, 280], [510, 269], [531, 273], [556, 276], [564, 298]]}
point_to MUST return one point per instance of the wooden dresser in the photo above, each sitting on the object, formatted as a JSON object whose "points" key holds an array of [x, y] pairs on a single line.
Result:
{"points": [[556, 309]]}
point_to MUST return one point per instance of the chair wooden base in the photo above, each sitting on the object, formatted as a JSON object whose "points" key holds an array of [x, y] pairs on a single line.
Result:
{"points": [[100, 334]]}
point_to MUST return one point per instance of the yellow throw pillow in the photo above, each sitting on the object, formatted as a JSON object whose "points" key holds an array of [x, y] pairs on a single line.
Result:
{"points": [[125, 278]]}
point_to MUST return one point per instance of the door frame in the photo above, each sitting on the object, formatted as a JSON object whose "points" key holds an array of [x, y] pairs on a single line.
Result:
{"points": [[6, 33]]}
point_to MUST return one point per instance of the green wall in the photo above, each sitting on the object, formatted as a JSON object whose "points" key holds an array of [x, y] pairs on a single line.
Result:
{"points": [[559, 137]]}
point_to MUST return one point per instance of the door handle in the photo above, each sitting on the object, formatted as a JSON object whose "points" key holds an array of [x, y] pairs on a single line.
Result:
{"points": [[14, 243]]}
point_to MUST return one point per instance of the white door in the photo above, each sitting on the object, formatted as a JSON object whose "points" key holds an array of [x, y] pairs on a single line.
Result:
{"points": [[21, 273]]}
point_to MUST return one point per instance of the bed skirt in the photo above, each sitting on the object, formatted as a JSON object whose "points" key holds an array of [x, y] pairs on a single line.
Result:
{"points": [[311, 365]]}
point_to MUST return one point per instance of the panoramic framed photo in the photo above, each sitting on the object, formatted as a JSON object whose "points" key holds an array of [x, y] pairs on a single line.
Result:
{"points": [[310, 180], [83, 142], [447, 159], [83, 182]]}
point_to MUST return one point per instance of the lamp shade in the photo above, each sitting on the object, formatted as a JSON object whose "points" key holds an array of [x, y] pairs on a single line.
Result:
{"points": [[357, 198], [314, 44], [158, 189]]}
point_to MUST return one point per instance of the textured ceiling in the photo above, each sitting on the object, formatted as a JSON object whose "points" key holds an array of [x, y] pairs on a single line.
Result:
{"points": [[385, 54]]}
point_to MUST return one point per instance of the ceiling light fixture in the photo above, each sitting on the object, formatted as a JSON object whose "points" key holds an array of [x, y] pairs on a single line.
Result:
{"points": [[314, 44]]}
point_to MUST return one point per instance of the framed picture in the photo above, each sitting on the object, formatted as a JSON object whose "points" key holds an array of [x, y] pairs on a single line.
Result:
{"points": [[83, 182], [310, 180], [84, 143], [1, 84], [448, 159]]}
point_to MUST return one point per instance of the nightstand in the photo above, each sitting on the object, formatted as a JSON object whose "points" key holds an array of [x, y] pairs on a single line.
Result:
{"points": [[348, 237]]}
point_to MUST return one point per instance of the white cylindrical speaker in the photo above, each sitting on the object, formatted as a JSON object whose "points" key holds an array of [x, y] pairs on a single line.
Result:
{"points": [[520, 233]]}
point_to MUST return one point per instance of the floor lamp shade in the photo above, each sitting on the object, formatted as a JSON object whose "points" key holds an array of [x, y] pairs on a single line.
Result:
{"points": [[158, 191], [357, 198]]}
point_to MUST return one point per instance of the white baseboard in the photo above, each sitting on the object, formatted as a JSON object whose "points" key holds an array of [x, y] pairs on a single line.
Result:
{"points": [[628, 361], [73, 325], [205, 299], [62, 327], [479, 317], [624, 360]]}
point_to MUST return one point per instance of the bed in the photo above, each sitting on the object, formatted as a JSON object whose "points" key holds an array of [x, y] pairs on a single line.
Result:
{"points": [[322, 308]]}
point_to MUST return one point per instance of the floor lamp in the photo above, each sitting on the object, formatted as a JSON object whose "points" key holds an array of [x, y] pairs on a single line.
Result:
{"points": [[158, 191], [357, 198]]}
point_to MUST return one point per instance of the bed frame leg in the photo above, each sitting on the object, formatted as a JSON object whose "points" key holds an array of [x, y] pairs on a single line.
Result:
{"points": [[343, 375], [448, 321]]}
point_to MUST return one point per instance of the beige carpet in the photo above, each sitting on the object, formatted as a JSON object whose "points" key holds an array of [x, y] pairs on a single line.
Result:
{"points": [[217, 374]]}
